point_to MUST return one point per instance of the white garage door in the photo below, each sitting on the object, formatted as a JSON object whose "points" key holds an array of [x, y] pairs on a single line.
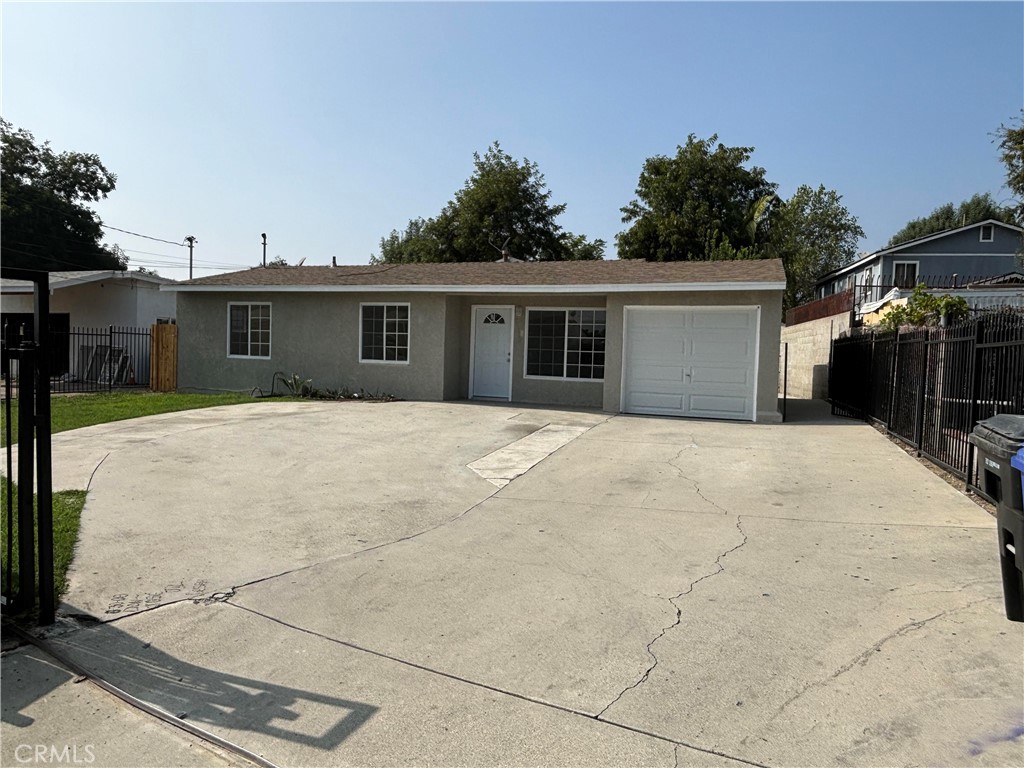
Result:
{"points": [[691, 362]]}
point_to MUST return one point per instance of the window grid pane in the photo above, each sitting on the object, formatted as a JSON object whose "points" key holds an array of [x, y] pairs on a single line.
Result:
{"points": [[385, 332], [565, 343], [249, 330]]}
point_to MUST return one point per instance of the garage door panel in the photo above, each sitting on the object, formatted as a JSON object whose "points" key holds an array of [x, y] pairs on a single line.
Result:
{"points": [[715, 405], [740, 352], [654, 402], [691, 362], [719, 320], [740, 377]]}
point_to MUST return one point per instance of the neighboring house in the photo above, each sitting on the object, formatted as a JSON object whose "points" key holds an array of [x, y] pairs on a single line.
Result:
{"points": [[94, 298], [684, 338], [84, 305], [941, 260], [985, 294]]}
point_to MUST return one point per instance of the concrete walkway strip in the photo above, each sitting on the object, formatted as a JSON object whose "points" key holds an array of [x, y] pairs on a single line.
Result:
{"points": [[506, 464]]}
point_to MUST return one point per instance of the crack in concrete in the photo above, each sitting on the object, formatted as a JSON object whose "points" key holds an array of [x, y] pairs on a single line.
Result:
{"points": [[696, 487], [862, 659], [495, 689], [678, 619]]}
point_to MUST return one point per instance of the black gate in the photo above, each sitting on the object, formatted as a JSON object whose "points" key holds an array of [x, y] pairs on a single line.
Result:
{"points": [[28, 363], [930, 387]]}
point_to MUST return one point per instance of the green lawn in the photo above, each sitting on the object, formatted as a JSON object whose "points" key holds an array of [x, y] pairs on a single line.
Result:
{"points": [[74, 411], [67, 509]]}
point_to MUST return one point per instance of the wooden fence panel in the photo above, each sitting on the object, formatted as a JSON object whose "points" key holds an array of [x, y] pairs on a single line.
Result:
{"points": [[163, 359]]}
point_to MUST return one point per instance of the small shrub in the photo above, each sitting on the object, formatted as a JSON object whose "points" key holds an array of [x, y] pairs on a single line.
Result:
{"points": [[923, 309]]}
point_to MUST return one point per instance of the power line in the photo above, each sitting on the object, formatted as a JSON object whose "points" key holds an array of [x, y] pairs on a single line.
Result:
{"points": [[148, 237]]}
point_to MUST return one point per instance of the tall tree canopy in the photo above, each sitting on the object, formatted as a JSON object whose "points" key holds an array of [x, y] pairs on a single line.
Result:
{"points": [[1011, 147], [46, 224], [813, 233], [699, 205], [504, 206], [971, 211]]}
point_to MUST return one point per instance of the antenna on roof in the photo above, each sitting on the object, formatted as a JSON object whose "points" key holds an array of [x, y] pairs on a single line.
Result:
{"points": [[301, 262], [506, 254]]}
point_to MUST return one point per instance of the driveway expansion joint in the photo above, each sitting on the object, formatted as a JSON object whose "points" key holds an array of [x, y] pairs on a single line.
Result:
{"points": [[676, 743]]}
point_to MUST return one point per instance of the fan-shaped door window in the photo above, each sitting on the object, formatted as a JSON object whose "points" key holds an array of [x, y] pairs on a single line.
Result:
{"points": [[494, 317]]}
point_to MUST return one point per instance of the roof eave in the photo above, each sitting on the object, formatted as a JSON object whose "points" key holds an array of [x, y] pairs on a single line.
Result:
{"points": [[727, 285]]}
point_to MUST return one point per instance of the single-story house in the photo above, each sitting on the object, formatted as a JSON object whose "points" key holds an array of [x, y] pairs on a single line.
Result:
{"points": [[696, 339], [93, 298]]}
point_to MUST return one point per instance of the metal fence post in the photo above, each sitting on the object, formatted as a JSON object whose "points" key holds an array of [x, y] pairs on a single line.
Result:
{"points": [[979, 338], [110, 354], [26, 484], [891, 410], [919, 427], [44, 478]]}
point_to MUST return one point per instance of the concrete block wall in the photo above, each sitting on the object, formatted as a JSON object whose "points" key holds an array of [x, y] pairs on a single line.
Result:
{"points": [[809, 345]]}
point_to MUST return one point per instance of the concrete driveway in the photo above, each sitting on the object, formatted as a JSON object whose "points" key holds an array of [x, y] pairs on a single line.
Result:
{"points": [[333, 584]]}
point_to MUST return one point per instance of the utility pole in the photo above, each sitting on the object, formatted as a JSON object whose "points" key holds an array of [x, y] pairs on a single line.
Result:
{"points": [[264, 236], [191, 243]]}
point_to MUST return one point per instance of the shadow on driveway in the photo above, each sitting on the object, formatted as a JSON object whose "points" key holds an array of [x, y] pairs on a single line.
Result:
{"points": [[190, 692]]}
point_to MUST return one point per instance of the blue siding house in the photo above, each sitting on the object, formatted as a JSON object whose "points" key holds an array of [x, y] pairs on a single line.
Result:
{"points": [[947, 259]]}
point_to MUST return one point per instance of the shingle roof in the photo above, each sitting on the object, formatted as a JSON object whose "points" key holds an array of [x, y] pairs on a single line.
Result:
{"points": [[469, 274]]}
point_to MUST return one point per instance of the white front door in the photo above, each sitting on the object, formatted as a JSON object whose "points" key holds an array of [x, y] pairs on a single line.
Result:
{"points": [[492, 352]]}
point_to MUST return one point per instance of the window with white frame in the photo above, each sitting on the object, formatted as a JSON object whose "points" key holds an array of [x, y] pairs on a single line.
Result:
{"points": [[248, 330], [987, 233], [384, 333], [905, 274], [565, 343]]}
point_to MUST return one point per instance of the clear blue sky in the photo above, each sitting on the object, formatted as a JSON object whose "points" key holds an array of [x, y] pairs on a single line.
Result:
{"points": [[328, 125]]}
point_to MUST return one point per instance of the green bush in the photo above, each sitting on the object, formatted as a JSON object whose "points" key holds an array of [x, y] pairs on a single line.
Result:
{"points": [[925, 310]]}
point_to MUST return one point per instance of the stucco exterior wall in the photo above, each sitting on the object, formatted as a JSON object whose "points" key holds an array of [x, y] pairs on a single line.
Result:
{"points": [[770, 302], [585, 394], [809, 345], [315, 335]]}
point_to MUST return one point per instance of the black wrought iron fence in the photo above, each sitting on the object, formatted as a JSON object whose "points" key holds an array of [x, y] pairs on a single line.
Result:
{"points": [[93, 359], [930, 387]]}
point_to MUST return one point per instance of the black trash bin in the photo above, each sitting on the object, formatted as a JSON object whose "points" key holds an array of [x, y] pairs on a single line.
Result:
{"points": [[1010, 524], [997, 441]]}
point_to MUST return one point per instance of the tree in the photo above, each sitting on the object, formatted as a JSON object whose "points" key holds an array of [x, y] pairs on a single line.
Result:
{"points": [[1011, 146], [977, 208], [700, 205], [504, 207], [46, 224], [813, 233]]}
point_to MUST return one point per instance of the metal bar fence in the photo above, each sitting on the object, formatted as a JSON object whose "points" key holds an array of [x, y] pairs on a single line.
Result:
{"points": [[929, 387], [101, 359]]}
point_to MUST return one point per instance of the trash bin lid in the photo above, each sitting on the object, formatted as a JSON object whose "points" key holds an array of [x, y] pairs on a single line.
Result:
{"points": [[1005, 430]]}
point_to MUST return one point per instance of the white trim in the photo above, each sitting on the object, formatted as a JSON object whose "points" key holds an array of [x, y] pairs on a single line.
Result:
{"points": [[917, 271], [248, 320], [472, 342], [585, 289], [991, 231], [565, 350], [691, 307], [408, 343]]}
